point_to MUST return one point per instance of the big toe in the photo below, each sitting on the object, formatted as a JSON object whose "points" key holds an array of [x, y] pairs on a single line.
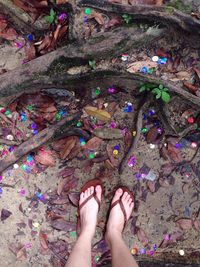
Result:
{"points": [[98, 190], [117, 195]]}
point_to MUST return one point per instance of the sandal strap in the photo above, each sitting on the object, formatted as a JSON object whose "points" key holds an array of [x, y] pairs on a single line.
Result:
{"points": [[90, 197], [119, 201]]}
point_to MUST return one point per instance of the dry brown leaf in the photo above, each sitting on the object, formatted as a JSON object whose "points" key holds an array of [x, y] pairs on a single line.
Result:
{"points": [[43, 240], [174, 153], [30, 52], [185, 224], [74, 198], [60, 2], [61, 185], [69, 144], [142, 237], [192, 88], [197, 70], [197, 225], [100, 114], [9, 34], [21, 254], [152, 135], [45, 158], [138, 65], [114, 161], [94, 143], [98, 17]]}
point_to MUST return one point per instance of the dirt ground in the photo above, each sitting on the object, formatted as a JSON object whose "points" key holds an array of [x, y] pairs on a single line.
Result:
{"points": [[30, 236]]}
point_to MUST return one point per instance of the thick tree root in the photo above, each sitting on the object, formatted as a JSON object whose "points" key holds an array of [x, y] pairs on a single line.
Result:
{"points": [[34, 142], [164, 14]]}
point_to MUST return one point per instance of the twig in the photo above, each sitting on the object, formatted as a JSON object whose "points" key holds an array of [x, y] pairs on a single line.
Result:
{"points": [[7, 185], [187, 130], [35, 142], [137, 137], [9, 142]]}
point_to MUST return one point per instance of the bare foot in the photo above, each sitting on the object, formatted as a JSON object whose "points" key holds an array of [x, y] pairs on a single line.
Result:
{"points": [[89, 211], [116, 219]]}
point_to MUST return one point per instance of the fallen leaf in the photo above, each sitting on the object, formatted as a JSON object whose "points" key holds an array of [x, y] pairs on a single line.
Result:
{"points": [[61, 185], [30, 52], [153, 135], [69, 144], [197, 70], [21, 254], [43, 240], [5, 214], [138, 65], [93, 144], [63, 225], [152, 186], [197, 225], [174, 153], [66, 172], [60, 2], [114, 161], [45, 158], [74, 198], [183, 75], [108, 133], [98, 17], [142, 237], [100, 114], [190, 87], [127, 140], [184, 224], [67, 184], [113, 21], [37, 100], [9, 34]]}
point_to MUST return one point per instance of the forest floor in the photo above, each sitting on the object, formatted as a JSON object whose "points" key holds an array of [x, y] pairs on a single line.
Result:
{"points": [[126, 134]]}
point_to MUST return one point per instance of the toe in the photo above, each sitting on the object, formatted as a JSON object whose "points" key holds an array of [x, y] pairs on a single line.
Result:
{"points": [[81, 196], [91, 190], [130, 200], [124, 197], [117, 195], [98, 191]]}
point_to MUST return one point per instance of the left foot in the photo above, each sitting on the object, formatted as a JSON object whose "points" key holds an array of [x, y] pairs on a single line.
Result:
{"points": [[88, 213]]}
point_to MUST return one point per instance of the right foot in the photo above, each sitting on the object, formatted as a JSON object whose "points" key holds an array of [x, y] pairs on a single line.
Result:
{"points": [[116, 219]]}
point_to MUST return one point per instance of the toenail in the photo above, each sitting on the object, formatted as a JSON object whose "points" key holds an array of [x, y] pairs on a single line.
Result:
{"points": [[119, 190]]}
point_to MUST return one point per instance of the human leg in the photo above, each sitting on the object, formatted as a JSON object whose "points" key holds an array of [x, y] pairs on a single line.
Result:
{"points": [[119, 251], [81, 253]]}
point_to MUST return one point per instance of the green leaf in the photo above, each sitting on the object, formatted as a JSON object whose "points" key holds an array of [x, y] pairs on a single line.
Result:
{"points": [[150, 85], [50, 19], [165, 89], [92, 64], [142, 88], [158, 95], [161, 86], [156, 91], [165, 97]]}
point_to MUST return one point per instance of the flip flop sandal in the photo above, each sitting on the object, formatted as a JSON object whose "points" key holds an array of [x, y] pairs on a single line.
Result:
{"points": [[119, 201], [93, 182]]}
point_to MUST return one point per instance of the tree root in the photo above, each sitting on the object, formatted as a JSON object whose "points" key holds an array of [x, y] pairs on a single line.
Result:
{"points": [[138, 127], [164, 14], [35, 142]]}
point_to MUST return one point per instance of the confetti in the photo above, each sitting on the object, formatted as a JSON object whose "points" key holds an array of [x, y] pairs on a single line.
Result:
{"points": [[15, 166], [88, 11], [152, 146], [10, 137], [155, 58], [190, 120], [194, 145], [181, 252], [131, 161]]}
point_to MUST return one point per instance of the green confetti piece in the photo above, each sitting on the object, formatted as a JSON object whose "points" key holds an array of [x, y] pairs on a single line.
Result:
{"points": [[91, 155], [73, 234], [30, 107], [88, 11]]}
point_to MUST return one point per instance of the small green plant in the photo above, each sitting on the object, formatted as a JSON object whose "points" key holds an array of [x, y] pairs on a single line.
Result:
{"points": [[92, 64], [51, 17], [127, 18], [159, 91]]}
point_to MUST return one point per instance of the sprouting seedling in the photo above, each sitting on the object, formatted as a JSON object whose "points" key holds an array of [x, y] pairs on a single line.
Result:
{"points": [[92, 64], [127, 18], [51, 17], [159, 91]]}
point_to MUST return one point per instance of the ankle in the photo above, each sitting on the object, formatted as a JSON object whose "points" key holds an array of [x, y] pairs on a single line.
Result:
{"points": [[112, 236]]}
